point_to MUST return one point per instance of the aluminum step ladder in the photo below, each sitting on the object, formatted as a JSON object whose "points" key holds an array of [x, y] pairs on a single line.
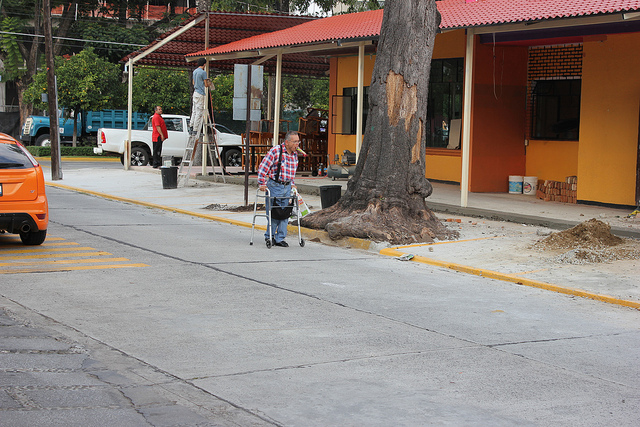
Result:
{"points": [[189, 156]]}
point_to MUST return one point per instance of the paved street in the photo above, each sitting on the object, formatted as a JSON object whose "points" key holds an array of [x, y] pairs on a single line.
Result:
{"points": [[196, 327]]}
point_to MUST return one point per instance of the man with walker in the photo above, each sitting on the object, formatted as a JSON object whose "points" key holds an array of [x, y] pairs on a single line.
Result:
{"points": [[277, 172]]}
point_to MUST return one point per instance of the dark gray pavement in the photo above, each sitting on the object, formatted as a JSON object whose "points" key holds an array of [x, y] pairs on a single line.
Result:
{"points": [[50, 379]]}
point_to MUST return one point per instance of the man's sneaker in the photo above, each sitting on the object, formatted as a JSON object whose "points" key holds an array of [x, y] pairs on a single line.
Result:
{"points": [[283, 244]]}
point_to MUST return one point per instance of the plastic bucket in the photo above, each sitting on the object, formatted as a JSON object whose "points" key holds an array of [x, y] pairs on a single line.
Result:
{"points": [[515, 184], [329, 195], [530, 185], [169, 176]]}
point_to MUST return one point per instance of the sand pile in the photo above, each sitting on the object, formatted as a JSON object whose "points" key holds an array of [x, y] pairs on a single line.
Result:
{"points": [[589, 242]]}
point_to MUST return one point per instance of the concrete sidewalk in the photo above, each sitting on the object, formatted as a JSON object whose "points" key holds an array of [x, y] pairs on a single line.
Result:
{"points": [[496, 230]]}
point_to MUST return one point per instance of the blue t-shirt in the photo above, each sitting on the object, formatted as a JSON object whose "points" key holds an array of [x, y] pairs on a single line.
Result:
{"points": [[199, 75]]}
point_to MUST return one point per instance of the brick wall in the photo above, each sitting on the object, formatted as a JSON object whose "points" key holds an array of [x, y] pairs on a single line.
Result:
{"points": [[551, 63]]}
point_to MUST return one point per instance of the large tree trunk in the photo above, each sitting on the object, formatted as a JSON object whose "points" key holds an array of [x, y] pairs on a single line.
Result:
{"points": [[385, 198]]}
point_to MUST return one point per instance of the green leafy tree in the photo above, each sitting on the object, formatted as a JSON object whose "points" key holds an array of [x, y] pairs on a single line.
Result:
{"points": [[12, 58], [103, 30], [86, 82], [222, 95], [303, 92], [167, 88]]}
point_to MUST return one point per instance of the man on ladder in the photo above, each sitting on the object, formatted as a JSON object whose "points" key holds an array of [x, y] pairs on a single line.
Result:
{"points": [[200, 82], [198, 135]]}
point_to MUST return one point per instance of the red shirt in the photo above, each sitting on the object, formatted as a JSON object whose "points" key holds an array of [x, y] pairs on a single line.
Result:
{"points": [[157, 120]]}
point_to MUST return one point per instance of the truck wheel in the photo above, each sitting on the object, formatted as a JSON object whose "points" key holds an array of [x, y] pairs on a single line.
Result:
{"points": [[44, 140], [140, 156], [233, 157]]}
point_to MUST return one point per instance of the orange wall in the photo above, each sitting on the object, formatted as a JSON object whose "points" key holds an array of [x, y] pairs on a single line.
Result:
{"points": [[498, 122], [554, 160], [609, 120], [451, 44]]}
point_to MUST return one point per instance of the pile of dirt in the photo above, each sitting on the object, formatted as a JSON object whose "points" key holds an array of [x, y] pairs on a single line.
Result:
{"points": [[592, 234], [589, 242]]}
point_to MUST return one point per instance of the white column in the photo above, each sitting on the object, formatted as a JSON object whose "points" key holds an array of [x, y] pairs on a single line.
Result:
{"points": [[466, 119], [127, 145], [276, 112], [360, 100]]}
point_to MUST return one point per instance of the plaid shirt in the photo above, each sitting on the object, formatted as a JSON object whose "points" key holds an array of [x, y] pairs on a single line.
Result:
{"points": [[268, 166]]}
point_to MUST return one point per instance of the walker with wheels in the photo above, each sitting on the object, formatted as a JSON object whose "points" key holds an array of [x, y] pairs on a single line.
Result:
{"points": [[289, 210]]}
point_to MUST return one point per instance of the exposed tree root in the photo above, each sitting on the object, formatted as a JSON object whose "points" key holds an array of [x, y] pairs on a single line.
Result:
{"points": [[379, 223]]}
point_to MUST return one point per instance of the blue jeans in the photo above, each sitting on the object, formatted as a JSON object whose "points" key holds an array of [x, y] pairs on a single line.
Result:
{"points": [[278, 226]]}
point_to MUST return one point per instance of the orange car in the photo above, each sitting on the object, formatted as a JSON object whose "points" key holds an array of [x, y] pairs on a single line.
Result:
{"points": [[24, 208]]}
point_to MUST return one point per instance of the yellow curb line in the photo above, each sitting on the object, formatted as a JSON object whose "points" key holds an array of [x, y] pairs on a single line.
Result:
{"points": [[515, 279], [308, 233], [151, 205], [365, 245], [82, 159]]}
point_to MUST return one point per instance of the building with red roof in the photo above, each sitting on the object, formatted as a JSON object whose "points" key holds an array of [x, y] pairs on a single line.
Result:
{"points": [[552, 88]]}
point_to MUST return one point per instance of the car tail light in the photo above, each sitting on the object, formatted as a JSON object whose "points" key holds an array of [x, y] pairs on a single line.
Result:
{"points": [[41, 216], [103, 140]]}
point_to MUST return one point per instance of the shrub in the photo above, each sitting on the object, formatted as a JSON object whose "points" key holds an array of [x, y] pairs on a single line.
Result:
{"points": [[38, 151]]}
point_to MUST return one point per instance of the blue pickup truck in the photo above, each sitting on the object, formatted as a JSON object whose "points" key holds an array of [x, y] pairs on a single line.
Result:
{"points": [[36, 129]]}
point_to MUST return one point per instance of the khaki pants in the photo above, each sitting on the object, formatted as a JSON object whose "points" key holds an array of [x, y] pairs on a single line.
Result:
{"points": [[197, 111]]}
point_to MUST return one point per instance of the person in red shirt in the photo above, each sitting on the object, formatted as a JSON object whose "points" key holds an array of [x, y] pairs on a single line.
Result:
{"points": [[158, 135]]}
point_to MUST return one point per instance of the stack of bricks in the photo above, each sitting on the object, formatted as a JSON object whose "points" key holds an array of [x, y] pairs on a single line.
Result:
{"points": [[556, 191]]}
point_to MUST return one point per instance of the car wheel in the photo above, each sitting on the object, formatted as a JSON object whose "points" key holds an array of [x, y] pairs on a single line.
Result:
{"points": [[233, 157], [140, 156], [33, 237], [44, 140]]}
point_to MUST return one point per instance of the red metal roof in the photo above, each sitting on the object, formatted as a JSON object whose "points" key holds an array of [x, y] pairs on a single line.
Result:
{"points": [[455, 14], [459, 13], [339, 27], [226, 27]]}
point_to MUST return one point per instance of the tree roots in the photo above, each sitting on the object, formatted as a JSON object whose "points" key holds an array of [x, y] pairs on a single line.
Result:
{"points": [[380, 223]]}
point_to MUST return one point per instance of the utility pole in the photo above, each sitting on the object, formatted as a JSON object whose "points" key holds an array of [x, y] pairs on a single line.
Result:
{"points": [[52, 94]]}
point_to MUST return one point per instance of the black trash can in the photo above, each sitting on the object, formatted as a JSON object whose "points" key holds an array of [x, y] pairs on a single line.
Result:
{"points": [[329, 195], [169, 176]]}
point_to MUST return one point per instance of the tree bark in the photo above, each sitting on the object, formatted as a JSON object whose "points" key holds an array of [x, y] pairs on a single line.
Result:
{"points": [[385, 198]]}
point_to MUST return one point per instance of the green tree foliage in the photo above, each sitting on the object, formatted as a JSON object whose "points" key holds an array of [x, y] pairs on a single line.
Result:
{"points": [[167, 88], [301, 92], [222, 95], [107, 31], [86, 82], [12, 58]]}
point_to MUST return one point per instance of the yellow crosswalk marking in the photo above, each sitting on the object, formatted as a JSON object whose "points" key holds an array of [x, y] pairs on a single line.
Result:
{"points": [[61, 261], [80, 254], [86, 267], [56, 254], [40, 249], [42, 245]]}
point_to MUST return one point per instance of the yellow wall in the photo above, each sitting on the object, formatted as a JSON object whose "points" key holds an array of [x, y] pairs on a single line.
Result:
{"points": [[446, 167], [609, 113], [448, 45], [554, 160], [347, 76], [451, 44]]}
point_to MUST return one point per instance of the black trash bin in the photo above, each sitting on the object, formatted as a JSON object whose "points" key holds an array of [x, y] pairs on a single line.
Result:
{"points": [[169, 176], [329, 195]]}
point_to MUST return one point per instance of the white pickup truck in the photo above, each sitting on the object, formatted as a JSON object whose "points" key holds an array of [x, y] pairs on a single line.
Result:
{"points": [[112, 141]]}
